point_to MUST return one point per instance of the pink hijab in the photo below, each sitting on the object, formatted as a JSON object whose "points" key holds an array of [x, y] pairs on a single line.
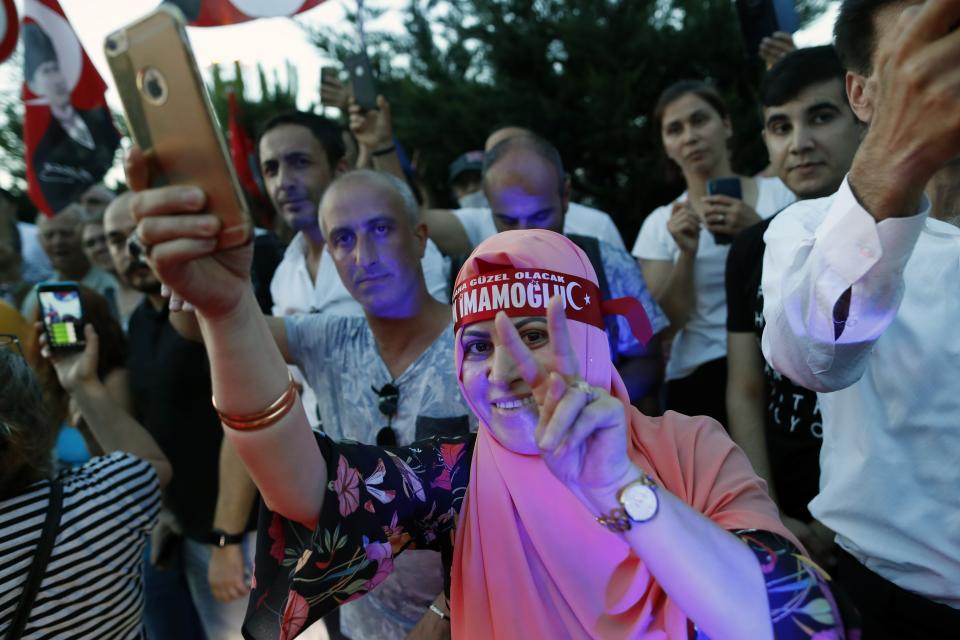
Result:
{"points": [[530, 561]]}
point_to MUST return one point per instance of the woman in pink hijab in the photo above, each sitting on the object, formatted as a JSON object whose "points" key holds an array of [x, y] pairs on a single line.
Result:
{"points": [[569, 514]]}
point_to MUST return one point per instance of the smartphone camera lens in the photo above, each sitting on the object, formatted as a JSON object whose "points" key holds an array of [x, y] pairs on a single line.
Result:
{"points": [[153, 86], [115, 43]]}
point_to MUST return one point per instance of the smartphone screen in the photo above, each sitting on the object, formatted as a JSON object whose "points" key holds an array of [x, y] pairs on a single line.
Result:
{"points": [[362, 81], [62, 315]]}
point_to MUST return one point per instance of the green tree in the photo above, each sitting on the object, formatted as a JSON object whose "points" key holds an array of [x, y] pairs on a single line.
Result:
{"points": [[583, 73], [11, 123], [271, 95]]}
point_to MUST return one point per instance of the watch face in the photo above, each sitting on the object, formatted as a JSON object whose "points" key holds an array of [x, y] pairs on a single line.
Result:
{"points": [[640, 502]]}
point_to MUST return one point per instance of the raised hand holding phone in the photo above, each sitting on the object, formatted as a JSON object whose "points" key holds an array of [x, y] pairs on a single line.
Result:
{"points": [[362, 82], [61, 314], [74, 367], [171, 117], [182, 236], [333, 93]]}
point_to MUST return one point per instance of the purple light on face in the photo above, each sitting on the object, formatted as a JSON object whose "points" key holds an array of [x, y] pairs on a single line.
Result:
{"points": [[517, 208]]}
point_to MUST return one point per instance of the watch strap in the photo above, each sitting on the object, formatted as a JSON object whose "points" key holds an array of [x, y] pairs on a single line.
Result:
{"points": [[618, 520], [220, 538]]}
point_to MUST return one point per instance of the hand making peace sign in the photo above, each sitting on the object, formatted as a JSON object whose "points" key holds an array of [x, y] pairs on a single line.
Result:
{"points": [[581, 430]]}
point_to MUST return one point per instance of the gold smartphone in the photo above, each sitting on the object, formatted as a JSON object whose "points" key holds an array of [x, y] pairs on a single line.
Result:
{"points": [[171, 118]]}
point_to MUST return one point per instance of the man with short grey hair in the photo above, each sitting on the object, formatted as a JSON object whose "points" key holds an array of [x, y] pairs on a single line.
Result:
{"points": [[387, 377]]}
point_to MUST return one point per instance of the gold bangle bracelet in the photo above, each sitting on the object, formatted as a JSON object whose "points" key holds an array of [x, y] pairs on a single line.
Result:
{"points": [[265, 418]]}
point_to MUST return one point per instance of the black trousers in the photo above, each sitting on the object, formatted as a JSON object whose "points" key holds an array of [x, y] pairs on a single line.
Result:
{"points": [[702, 393], [892, 613]]}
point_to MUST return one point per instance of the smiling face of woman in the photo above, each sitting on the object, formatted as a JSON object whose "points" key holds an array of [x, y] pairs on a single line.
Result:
{"points": [[494, 386]]}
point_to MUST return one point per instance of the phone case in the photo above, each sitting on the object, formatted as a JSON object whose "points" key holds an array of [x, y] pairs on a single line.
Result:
{"points": [[171, 118], [729, 187], [362, 81]]}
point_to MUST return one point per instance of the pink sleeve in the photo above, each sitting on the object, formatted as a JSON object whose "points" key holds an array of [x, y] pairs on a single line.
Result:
{"points": [[699, 463]]}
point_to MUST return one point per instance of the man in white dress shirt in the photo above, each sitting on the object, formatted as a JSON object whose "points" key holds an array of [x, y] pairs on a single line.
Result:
{"points": [[862, 301]]}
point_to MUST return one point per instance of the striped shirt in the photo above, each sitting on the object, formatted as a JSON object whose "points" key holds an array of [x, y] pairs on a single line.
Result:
{"points": [[93, 585]]}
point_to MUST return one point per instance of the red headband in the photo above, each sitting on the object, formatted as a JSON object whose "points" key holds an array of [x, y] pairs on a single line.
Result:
{"points": [[526, 292]]}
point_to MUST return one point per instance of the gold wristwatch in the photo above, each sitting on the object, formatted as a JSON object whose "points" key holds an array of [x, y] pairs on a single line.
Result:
{"points": [[639, 503]]}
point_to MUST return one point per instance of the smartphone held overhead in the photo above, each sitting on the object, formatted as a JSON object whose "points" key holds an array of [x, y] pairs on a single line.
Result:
{"points": [[62, 315], [759, 19], [171, 118], [362, 81]]}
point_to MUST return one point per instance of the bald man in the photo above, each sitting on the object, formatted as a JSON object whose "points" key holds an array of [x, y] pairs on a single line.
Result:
{"points": [[401, 351], [459, 230], [60, 237]]}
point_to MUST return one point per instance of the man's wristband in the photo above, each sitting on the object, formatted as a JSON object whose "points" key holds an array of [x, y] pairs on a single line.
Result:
{"points": [[437, 610], [384, 151], [220, 538]]}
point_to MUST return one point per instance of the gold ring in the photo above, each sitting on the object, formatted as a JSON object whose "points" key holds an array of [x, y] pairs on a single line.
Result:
{"points": [[584, 387]]}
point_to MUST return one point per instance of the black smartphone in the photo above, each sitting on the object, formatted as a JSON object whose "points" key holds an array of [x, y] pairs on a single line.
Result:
{"points": [[62, 315], [761, 18], [362, 81], [731, 188]]}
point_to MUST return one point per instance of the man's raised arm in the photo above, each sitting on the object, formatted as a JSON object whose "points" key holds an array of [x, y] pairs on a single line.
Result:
{"points": [[833, 269]]}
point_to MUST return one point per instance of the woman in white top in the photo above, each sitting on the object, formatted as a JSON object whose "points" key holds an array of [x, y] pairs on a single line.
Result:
{"points": [[682, 247]]}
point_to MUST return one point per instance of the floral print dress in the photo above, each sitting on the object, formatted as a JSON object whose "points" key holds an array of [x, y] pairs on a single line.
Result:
{"points": [[380, 502]]}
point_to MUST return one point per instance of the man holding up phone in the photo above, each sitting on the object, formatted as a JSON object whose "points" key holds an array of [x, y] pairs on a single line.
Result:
{"points": [[862, 304], [811, 135]]}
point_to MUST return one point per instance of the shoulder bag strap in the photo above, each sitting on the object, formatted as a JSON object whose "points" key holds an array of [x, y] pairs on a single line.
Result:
{"points": [[37, 569]]}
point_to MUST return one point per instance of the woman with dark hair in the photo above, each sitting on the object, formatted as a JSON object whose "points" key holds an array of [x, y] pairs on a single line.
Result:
{"points": [[72, 540], [569, 514], [684, 267]]}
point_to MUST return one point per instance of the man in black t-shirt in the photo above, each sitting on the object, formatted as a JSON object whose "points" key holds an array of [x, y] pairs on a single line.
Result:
{"points": [[201, 590], [812, 136]]}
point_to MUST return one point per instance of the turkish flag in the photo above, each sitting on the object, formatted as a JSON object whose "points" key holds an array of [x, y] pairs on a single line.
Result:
{"points": [[216, 13], [9, 31], [243, 156], [69, 136]]}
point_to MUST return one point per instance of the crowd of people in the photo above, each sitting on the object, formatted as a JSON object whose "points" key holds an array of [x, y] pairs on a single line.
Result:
{"points": [[494, 421]]}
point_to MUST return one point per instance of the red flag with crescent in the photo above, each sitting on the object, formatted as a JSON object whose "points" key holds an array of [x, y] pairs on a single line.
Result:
{"points": [[216, 13], [69, 136], [9, 29]]}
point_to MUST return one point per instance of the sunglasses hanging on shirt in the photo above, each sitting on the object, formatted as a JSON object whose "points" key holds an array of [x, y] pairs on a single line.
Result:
{"points": [[389, 396]]}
